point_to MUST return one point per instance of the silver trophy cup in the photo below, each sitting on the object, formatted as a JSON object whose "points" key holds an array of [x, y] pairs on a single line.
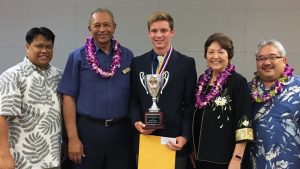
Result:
{"points": [[154, 85]]}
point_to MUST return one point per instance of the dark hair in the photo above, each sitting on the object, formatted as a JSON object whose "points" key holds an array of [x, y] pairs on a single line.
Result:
{"points": [[33, 32], [161, 16], [223, 40]]}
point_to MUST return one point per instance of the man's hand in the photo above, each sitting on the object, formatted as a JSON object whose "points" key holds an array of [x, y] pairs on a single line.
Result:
{"points": [[140, 127], [6, 161], [180, 142], [75, 148]]}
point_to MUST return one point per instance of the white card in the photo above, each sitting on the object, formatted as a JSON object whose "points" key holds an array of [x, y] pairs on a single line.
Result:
{"points": [[165, 140]]}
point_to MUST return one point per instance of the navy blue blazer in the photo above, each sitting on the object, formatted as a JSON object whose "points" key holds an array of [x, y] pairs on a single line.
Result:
{"points": [[176, 101]]}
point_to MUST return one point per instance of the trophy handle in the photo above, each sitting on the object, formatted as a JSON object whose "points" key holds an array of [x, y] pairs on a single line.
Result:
{"points": [[142, 79], [165, 76]]}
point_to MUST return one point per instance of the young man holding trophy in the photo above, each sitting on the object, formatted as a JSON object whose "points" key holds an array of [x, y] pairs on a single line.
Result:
{"points": [[163, 85]]}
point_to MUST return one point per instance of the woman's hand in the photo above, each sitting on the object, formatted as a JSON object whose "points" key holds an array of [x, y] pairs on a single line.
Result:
{"points": [[235, 163]]}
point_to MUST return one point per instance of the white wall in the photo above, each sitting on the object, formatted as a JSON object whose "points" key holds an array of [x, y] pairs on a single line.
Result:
{"points": [[247, 22]]}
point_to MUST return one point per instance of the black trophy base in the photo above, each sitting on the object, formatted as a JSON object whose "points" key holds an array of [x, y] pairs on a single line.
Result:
{"points": [[154, 120]]}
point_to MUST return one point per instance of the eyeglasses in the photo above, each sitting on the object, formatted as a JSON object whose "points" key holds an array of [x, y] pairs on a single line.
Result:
{"points": [[270, 57]]}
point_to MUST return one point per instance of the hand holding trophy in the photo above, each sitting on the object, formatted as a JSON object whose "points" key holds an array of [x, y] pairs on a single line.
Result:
{"points": [[154, 84]]}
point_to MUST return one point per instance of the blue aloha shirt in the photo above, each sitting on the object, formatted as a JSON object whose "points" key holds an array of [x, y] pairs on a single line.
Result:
{"points": [[276, 128]]}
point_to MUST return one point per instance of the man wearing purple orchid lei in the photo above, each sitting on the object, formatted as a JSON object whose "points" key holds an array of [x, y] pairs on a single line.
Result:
{"points": [[276, 102], [95, 87]]}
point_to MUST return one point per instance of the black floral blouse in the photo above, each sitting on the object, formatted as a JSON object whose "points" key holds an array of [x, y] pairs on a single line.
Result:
{"points": [[224, 122]]}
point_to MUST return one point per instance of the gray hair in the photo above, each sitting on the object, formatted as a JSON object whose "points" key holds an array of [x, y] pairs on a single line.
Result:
{"points": [[272, 42], [102, 10]]}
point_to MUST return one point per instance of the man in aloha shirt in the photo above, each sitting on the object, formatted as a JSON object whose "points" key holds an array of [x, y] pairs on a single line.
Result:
{"points": [[30, 108], [276, 94]]}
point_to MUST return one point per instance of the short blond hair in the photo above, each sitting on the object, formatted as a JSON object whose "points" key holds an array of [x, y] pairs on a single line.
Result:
{"points": [[160, 16]]}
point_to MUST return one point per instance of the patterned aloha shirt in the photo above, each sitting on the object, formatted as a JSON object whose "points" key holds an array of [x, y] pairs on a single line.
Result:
{"points": [[277, 130], [29, 99]]}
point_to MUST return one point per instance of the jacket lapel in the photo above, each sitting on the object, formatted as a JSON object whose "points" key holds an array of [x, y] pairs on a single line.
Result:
{"points": [[147, 63], [171, 67]]}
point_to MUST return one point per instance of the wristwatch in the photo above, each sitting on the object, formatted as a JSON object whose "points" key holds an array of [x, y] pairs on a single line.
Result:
{"points": [[237, 156]]}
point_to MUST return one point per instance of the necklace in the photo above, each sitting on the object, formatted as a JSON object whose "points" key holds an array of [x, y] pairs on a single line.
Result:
{"points": [[203, 100], [262, 96], [90, 51]]}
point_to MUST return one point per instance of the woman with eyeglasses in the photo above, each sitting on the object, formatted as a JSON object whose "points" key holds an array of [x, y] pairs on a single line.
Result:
{"points": [[221, 123]]}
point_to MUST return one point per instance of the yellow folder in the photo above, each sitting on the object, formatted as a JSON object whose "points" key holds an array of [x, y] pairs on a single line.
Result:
{"points": [[155, 155]]}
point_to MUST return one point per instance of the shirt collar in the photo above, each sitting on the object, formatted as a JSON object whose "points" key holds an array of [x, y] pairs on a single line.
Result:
{"points": [[154, 55], [98, 49]]}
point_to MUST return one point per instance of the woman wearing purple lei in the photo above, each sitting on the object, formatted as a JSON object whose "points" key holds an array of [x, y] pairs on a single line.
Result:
{"points": [[276, 108], [221, 123]]}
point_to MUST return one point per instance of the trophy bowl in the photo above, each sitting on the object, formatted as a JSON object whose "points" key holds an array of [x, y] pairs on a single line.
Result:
{"points": [[154, 85]]}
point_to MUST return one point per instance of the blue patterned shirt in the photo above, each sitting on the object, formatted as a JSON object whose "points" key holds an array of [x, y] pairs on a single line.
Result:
{"points": [[277, 130]]}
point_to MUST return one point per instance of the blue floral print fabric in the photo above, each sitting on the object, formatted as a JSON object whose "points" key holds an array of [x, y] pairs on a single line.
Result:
{"points": [[276, 127]]}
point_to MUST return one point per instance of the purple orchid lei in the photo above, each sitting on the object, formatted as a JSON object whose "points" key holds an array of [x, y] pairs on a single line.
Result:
{"points": [[277, 87], [90, 51], [203, 100]]}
